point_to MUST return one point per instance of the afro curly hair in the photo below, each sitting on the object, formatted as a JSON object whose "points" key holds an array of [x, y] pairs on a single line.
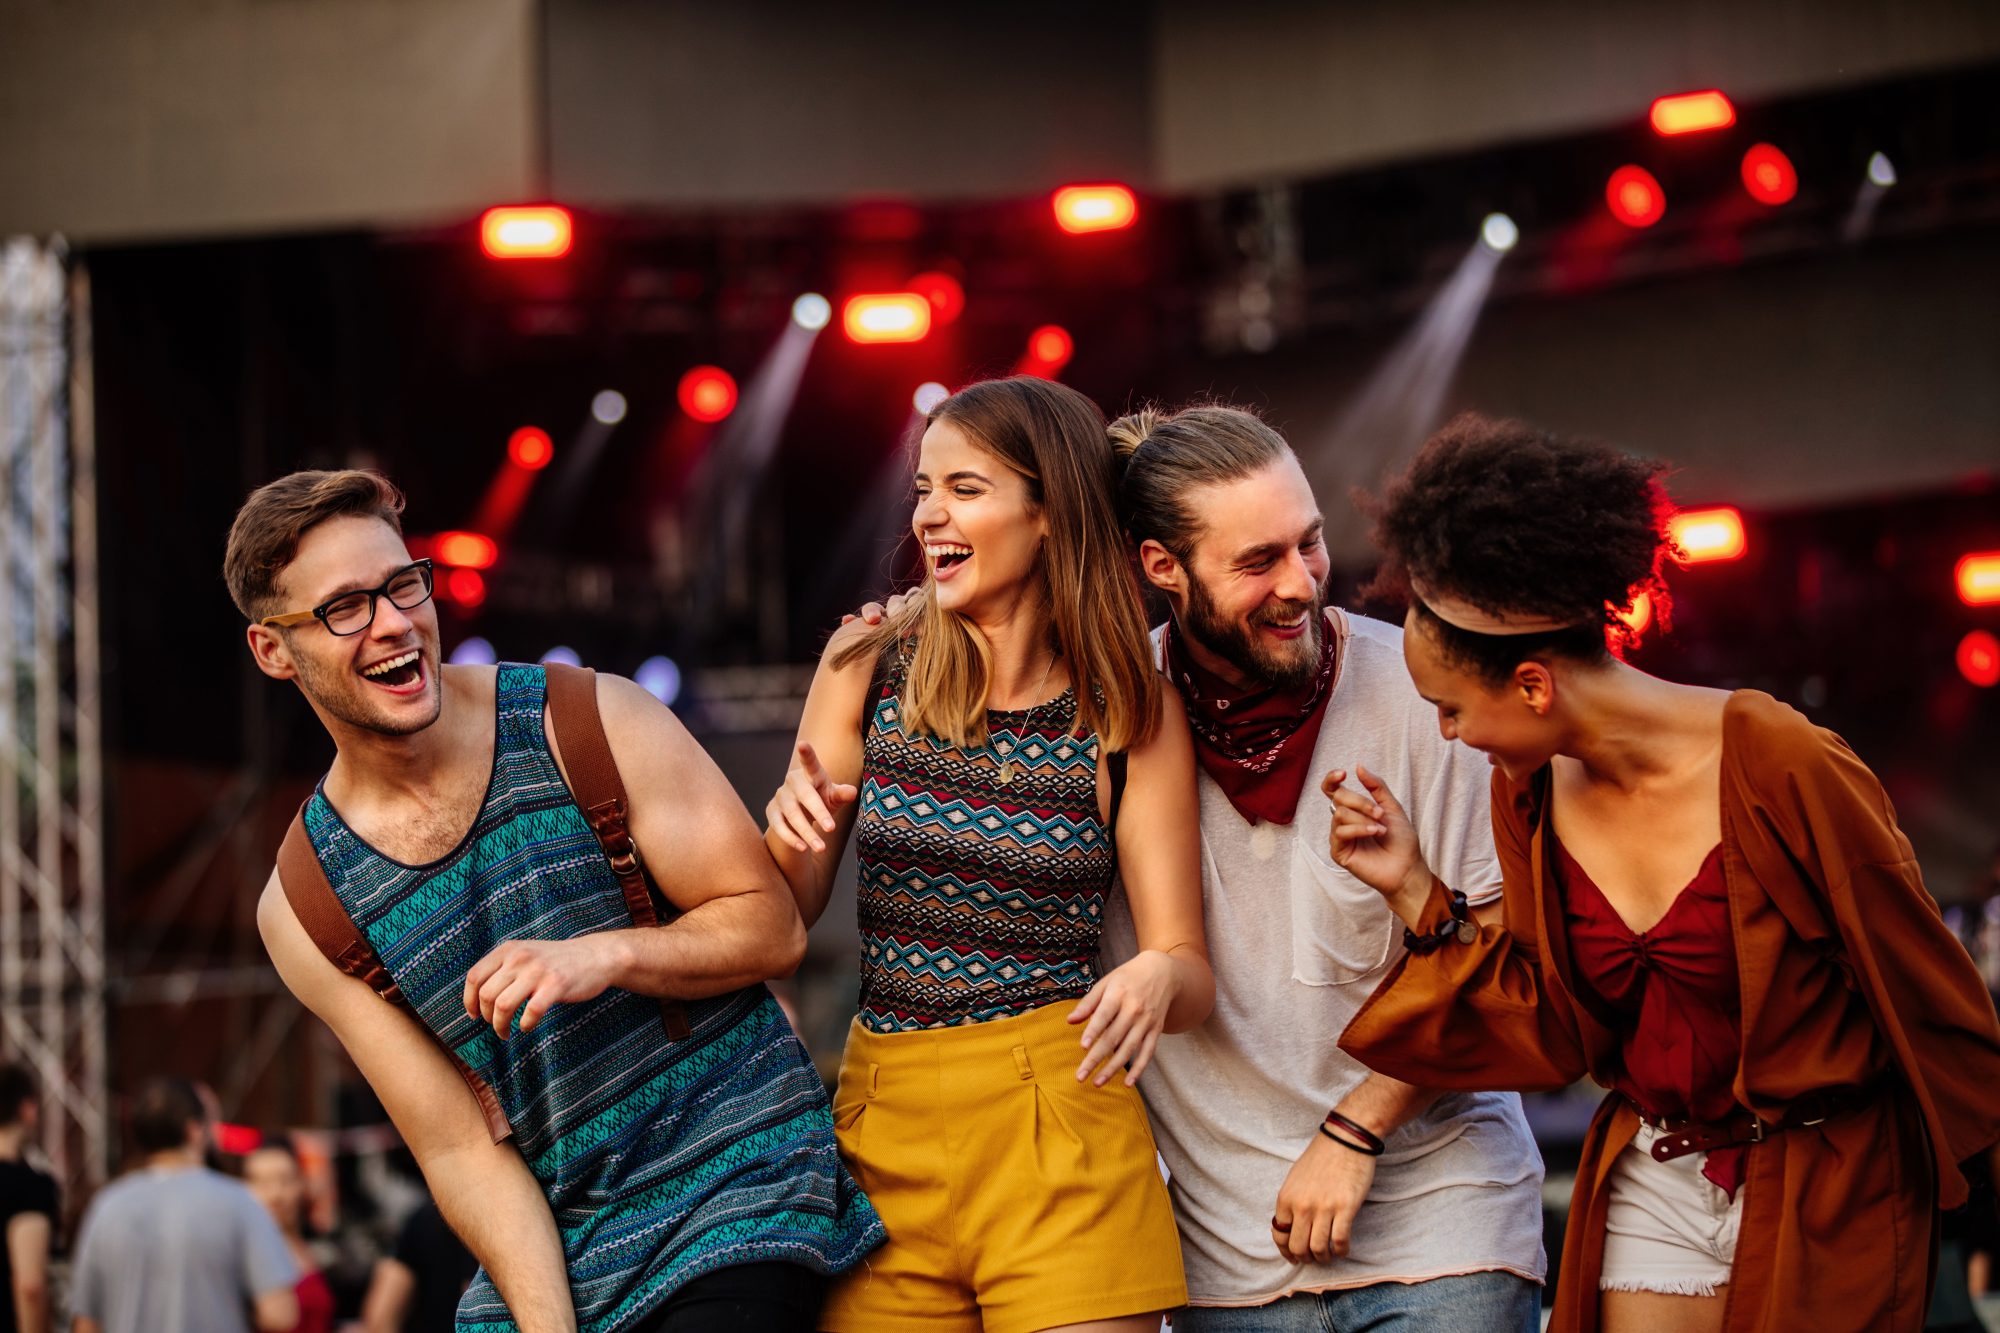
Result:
{"points": [[1517, 521]]}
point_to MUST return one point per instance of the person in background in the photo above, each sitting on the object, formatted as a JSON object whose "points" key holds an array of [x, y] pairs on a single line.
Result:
{"points": [[272, 1174], [174, 1247], [28, 1210], [415, 1288]]}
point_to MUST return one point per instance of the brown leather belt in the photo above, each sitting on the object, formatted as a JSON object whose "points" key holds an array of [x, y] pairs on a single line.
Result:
{"points": [[1681, 1136]]}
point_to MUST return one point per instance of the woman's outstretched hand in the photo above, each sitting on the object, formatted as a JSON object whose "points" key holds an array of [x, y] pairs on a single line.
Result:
{"points": [[802, 811], [1374, 841]]}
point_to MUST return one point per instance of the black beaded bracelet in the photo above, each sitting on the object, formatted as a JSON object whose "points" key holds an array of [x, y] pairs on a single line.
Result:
{"points": [[1371, 1142], [1459, 926], [1349, 1144]]}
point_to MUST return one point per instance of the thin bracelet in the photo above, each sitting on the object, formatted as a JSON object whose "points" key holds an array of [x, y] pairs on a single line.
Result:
{"points": [[1371, 1141], [1348, 1144]]}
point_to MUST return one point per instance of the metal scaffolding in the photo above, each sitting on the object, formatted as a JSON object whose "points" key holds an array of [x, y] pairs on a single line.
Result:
{"points": [[52, 976]]}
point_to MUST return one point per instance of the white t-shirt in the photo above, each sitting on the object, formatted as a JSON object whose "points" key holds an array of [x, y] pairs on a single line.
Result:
{"points": [[1297, 945]]}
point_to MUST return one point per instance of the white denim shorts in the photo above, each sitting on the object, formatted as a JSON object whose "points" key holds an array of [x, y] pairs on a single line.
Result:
{"points": [[1668, 1227]]}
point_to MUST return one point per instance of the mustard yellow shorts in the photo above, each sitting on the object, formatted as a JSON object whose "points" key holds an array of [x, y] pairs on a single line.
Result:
{"points": [[1015, 1198]]}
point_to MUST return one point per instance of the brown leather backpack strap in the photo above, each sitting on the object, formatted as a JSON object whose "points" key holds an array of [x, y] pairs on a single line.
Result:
{"points": [[319, 910], [600, 793]]}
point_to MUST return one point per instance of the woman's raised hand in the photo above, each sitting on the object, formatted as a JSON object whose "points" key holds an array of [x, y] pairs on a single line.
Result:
{"points": [[803, 808], [1374, 841]]}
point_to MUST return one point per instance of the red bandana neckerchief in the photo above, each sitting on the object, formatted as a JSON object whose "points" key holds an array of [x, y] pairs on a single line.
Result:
{"points": [[1258, 743]]}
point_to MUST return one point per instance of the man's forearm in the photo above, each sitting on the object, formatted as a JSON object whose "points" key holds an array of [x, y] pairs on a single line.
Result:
{"points": [[495, 1205], [1383, 1104], [723, 945]]}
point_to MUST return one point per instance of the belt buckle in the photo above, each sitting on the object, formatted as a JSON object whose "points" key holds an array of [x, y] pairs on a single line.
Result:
{"points": [[1756, 1129]]}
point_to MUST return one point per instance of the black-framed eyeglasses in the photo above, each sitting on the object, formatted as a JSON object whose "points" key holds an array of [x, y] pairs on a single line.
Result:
{"points": [[353, 612]]}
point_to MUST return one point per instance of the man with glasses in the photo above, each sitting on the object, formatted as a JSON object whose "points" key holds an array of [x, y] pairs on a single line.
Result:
{"points": [[642, 1181]]}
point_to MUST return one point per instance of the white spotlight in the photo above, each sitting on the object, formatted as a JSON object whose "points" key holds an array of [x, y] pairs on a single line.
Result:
{"points": [[475, 651], [928, 395], [564, 655], [608, 407], [1881, 171], [812, 311], [1499, 232], [661, 678]]}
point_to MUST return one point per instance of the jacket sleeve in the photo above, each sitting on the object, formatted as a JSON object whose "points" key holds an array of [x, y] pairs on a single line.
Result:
{"points": [[1478, 1015], [1923, 991]]}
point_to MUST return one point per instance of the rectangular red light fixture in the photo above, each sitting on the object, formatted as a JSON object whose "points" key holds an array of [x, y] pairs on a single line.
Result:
{"points": [[1691, 113], [1709, 534], [525, 233], [1087, 208], [887, 317], [1979, 579]]}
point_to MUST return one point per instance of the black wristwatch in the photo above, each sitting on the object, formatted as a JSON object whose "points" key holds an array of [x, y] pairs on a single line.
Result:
{"points": [[1458, 927]]}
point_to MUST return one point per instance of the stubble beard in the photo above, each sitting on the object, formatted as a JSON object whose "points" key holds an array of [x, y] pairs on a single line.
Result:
{"points": [[338, 692], [1289, 667]]}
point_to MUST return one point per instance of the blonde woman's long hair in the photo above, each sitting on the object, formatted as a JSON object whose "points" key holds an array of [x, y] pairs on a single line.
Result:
{"points": [[1054, 437]]}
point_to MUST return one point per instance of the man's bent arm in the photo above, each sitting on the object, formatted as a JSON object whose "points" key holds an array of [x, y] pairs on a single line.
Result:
{"points": [[1383, 1104], [27, 1242], [484, 1188]]}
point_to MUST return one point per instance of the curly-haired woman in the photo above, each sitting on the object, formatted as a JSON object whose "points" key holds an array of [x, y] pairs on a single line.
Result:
{"points": [[1708, 908], [1006, 757]]}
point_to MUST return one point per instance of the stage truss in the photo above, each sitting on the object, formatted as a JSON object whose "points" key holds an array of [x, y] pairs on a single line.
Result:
{"points": [[52, 973]]}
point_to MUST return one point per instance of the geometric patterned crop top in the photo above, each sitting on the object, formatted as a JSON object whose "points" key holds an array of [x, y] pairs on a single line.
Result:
{"points": [[977, 897]]}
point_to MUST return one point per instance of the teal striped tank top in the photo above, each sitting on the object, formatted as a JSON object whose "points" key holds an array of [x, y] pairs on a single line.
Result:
{"points": [[661, 1160]]}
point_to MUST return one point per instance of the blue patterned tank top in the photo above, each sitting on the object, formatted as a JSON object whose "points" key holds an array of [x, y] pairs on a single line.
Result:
{"points": [[977, 898], [661, 1160]]}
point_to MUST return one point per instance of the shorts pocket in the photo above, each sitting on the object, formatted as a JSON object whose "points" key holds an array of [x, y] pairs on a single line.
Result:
{"points": [[1342, 930]]}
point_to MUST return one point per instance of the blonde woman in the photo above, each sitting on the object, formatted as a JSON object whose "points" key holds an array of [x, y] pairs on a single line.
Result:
{"points": [[1004, 754]]}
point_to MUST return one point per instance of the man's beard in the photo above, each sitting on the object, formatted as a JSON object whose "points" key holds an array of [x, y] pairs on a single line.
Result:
{"points": [[1280, 666], [341, 693]]}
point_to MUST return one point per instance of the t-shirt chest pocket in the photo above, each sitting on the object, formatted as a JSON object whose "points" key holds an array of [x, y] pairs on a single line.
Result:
{"points": [[1342, 930]]}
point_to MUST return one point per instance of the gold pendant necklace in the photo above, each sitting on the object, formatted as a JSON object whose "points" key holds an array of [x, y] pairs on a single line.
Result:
{"points": [[1007, 768]]}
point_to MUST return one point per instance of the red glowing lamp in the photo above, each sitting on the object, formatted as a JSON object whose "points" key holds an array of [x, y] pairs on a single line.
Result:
{"points": [[530, 448], [1638, 615], [237, 1140], [467, 587], [707, 393], [1636, 199], [1081, 209], [465, 550], [1979, 659], [887, 317], [943, 291], [1709, 534], [1978, 577], [525, 233], [1050, 347], [1769, 175], [1691, 113]]}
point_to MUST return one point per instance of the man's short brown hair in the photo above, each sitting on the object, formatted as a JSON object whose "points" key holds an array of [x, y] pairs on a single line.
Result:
{"points": [[269, 526]]}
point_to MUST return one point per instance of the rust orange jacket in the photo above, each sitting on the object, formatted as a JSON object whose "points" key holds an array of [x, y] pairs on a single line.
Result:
{"points": [[1849, 980]]}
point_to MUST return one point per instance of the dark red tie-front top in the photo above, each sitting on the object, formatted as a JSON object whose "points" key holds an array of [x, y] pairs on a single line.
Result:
{"points": [[1670, 993]]}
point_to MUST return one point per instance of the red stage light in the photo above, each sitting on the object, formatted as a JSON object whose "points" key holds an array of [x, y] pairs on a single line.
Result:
{"points": [[1978, 577], [1087, 208], [467, 587], [465, 550], [1689, 113], [237, 1140], [887, 317], [943, 291], [1979, 659], [707, 393], [1636, 199], [1769, 175], [1050, 347], [1709, 534], [1640, 614], [525, 233], [530, 448]]}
